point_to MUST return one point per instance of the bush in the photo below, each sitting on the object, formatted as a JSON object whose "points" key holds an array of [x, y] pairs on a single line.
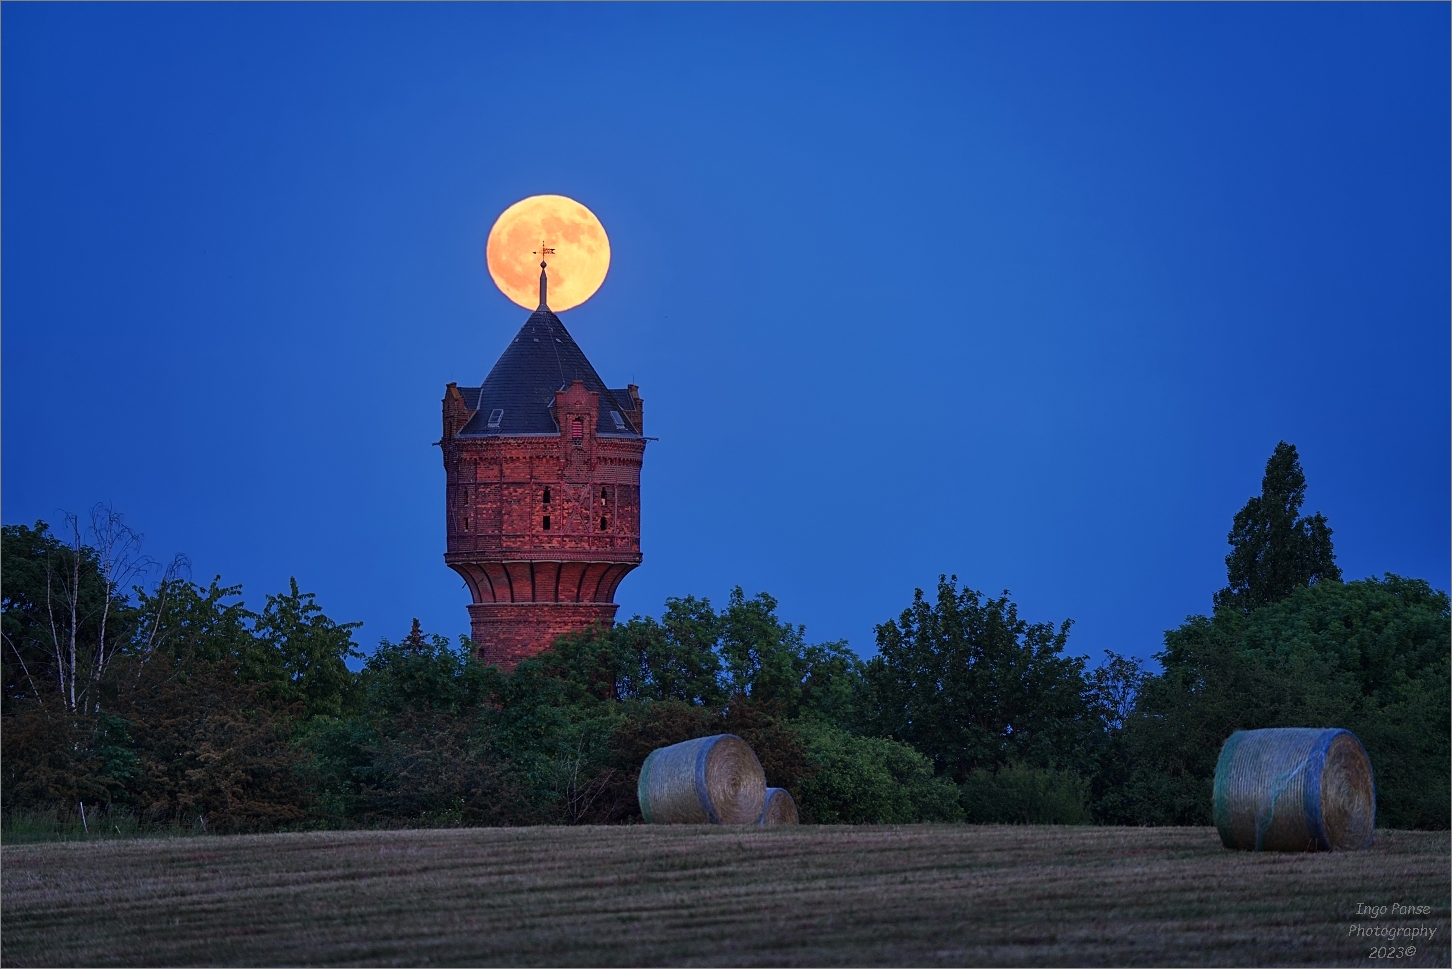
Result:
{"points": [[1371, 656], [869, 780], [209, 744], [100, 823], [1026, 795]]}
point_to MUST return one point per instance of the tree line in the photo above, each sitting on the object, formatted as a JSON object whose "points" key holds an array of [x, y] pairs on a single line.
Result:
{"points": [[177, 704]]}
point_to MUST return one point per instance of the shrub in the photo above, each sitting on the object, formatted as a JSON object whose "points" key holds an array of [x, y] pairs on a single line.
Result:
{"points": [[1026, 795], [869, 780], [1371, 656]]}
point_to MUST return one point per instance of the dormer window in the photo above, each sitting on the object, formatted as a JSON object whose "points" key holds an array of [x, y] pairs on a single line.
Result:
{"points": [[495, 416], [577, 429], [619, 421]]}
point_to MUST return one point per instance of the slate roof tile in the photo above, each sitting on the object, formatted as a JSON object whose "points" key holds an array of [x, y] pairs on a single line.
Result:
{"points": [[541, 359]]}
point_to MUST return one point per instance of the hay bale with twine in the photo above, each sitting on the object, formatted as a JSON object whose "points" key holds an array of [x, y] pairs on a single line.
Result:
{"points": [[780, 808], [710, 780], [1294, 789]]}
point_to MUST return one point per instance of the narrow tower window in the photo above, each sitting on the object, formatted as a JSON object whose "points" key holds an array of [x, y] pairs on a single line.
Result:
{"points": [[547, 496], [547, 523], [604, 523], [577, 430]]}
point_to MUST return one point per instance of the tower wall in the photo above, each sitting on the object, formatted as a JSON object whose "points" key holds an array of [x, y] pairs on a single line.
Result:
{"points": [[542, 528]]}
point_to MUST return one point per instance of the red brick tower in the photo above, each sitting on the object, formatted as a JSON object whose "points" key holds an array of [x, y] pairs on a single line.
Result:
{"points": [[543, 494]]}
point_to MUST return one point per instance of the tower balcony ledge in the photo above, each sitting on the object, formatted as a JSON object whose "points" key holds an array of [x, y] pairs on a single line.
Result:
{"points": [[617, 556]]}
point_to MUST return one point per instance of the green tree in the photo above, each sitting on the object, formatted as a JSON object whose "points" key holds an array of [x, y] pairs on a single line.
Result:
{"points": [[771, 662], [184, 623], [424, 674], [29, 656], [646, 684], [1167, 751], [1113, 689], [173, 698], [291, 648], [66, 606], [50, 758], [681, 663], [973, 686], [1371, 656], [308, 651], [759, 652], [208, 743], [696, 655], [67, 629], [1274, 549], [418, 742]]}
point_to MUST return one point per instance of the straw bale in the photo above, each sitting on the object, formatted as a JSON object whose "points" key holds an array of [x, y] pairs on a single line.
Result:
{"points": [[710, 780], [780, 808], [1294, 789]]}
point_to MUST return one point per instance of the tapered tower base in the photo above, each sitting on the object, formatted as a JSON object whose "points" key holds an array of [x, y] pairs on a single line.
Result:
{"points": [[507, 632]]}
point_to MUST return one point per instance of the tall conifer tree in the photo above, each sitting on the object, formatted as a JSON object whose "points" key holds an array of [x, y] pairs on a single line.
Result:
{"points": [[1274, 549]]}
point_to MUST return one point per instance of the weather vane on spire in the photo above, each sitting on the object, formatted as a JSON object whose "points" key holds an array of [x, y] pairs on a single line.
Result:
{"points": [[543, 282]]}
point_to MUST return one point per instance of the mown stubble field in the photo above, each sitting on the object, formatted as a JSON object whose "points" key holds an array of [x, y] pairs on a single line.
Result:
{"points": [[909, 895]]}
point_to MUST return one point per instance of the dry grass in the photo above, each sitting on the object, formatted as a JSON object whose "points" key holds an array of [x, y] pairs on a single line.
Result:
{"points": [[914, 895]]}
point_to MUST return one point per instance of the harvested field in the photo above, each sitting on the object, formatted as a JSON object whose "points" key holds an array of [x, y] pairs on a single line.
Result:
{"points": [[653, 895]]}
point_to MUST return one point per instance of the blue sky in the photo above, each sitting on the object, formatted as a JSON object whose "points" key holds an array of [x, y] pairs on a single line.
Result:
{"points": [[1024, 293]]}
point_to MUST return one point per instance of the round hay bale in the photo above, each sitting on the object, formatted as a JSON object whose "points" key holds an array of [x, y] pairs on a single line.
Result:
{"points": [[780, 808], [1294, 789], [710, 780]]}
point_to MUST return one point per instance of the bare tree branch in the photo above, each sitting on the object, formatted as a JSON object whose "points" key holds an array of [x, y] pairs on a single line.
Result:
{"points": [[180, 566], [26, 670], [60, 665], [119, 558], [75, 600], [112, 549]]}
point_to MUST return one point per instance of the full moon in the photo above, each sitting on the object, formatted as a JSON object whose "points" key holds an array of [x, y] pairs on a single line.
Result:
{"points": [[517, 245]]}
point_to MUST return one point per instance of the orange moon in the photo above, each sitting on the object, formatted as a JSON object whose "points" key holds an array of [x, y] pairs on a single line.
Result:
{"points": [[577, 267]]}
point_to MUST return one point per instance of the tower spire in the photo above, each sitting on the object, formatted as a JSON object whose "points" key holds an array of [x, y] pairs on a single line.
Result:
{"points": [[543, 280]]}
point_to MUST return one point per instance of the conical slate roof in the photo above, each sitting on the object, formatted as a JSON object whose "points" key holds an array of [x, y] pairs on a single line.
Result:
{"points": [[541, 359]]}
